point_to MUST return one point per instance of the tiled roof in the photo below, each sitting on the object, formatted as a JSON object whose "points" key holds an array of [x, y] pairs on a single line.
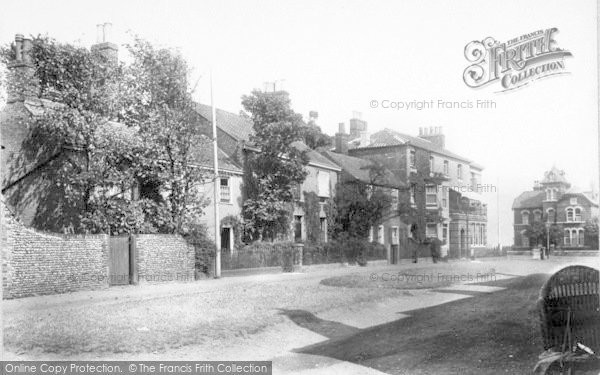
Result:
{"points": [[314, 157], [359, 169], [204, 157], [529, 199], [388, 137], [235, 125]]}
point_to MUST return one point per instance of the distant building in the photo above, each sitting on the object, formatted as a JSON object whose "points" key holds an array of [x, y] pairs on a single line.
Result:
{"points": [[553, 201]]}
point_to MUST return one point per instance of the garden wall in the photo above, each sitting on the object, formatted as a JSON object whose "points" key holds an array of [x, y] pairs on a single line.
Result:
{"points": [[164, 257], [37, 263]]}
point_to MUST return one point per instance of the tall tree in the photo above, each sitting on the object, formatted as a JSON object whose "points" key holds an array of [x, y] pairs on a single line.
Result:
{"points": [[157, 100], [114, 126], [276, 167]]}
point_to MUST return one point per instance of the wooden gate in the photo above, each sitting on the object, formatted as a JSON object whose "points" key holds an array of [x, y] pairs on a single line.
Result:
{"points": [[118, 260]]}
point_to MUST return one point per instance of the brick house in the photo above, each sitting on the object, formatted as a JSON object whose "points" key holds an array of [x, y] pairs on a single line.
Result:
{"points": [[553, 201], [390, 229], [444, 187], [233, 138]]}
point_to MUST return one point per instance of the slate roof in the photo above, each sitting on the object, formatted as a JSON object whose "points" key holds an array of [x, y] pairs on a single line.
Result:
{"points": [[204, 158], [529, 199], [388, 137], [314, 157], [359, 169], [235, 125]]}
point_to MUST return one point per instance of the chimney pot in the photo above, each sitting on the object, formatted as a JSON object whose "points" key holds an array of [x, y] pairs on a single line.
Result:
{"points": [[431, 130], [18, 47], [342, 128], [107, 32], [26, 51], [99, 33]]}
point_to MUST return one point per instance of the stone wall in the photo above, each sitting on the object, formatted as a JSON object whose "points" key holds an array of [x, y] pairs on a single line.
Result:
{"points": [[163, 257], [36, 263]]}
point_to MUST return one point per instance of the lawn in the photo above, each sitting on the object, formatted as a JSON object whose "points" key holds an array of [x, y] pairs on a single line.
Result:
{"points": [[487, 334], [431, 276]]}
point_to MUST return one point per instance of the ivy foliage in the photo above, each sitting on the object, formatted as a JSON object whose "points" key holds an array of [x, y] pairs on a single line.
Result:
{"points": [[361, 205], [275, 168], [111, 128]]}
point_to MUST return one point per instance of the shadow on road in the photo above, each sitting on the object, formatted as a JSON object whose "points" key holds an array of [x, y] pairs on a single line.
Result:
{"points": [[486, 334]]}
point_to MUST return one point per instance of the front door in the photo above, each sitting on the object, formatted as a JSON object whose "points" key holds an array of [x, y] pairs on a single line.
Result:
{"points": [[118, 260], [225, 239]]}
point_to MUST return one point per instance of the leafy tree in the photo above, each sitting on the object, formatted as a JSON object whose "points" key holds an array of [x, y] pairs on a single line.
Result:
{"points": [[312, 134], [361, 205], [276, 167], [109, 128], [156, 98]]}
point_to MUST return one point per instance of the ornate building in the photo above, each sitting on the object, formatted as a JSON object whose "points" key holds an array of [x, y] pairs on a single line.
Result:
{"points": [[557, 210]]}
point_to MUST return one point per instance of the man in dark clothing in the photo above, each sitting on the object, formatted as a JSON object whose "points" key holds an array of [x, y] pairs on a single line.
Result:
{"points": [[435, 246], [414, 242]]}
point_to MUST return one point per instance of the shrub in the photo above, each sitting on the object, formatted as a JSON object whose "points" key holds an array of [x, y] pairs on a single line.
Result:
{"points": [[204, 247], [257, 254]]}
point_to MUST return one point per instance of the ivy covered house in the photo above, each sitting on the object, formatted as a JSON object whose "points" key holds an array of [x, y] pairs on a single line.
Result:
{"points": [[553, 206], [443, 194], [371, 194]]}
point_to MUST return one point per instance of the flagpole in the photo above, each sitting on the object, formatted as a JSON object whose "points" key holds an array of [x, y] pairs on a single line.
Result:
{"points": [[217, 186]]}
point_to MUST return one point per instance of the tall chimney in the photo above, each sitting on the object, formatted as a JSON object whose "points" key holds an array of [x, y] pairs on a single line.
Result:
{"points": [[22, 82], [104, 47], [434, 135], [341, 139]]}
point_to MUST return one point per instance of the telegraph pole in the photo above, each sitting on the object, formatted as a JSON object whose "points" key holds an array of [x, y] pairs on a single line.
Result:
{"points": [[217, 186]]}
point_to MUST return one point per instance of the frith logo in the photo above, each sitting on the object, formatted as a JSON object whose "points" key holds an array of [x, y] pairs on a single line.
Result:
{"points": [[514, 63]]}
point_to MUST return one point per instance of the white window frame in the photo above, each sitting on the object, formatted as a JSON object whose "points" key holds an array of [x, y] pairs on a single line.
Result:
{"points": [[224, 190], [381, 234], [525, 214]]}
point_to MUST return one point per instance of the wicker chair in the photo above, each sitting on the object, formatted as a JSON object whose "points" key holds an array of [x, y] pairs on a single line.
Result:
{"points": [[569, 306]]}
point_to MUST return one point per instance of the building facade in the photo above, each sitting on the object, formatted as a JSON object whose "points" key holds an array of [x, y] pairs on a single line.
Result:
{"points": [[444, 193], [555, 212]]}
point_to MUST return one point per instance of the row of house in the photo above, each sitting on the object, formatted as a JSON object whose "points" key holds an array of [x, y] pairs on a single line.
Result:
{"points": [[429, 186]]}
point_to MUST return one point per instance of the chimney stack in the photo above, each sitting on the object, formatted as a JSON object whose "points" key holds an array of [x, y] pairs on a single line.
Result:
{"points": [[434, 135], [104, 45], [22, 83], [341, 139]]}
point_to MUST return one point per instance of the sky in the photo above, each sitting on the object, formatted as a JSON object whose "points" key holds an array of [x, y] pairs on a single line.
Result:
{"points": [[337, 57]]}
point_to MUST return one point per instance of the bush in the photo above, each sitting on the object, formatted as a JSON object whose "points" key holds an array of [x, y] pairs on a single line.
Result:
{"points": [[205, 249], [258, 254]]}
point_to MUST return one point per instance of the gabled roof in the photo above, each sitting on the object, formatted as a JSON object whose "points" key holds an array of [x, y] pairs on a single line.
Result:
{"points": [[529, 199], [315, 158], [235, 125], [359, 169], [203, 155], [388, 137]]}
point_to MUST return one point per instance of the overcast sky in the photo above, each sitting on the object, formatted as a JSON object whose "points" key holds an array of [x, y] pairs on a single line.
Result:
{"points": [[335, 57]]}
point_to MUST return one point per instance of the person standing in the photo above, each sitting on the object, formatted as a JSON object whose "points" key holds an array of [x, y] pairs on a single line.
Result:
{"points": [[435, 248]]}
